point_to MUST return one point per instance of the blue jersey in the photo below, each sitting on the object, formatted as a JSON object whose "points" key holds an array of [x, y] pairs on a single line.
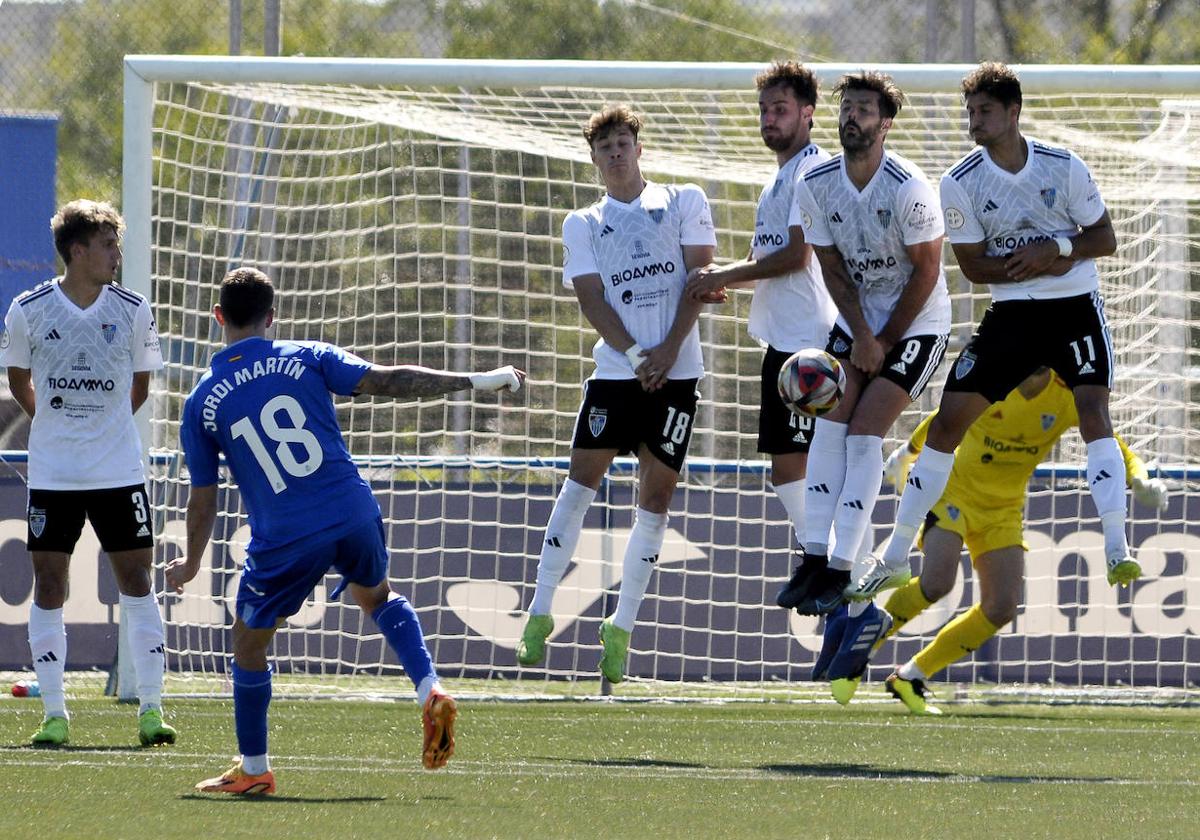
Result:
{"points": [[266, 405]]}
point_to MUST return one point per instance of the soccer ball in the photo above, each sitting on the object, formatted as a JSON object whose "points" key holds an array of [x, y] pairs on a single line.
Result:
{"points": [[811, 382]]}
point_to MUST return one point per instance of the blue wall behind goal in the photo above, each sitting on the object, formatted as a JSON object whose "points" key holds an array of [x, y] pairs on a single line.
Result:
{"points": [[28, 149], [712, 623]]}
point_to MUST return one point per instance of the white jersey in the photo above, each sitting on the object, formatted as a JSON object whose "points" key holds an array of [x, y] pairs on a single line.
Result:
{"points": [[82, 363], [1052, 195], [871, 228], [791, 311], [637, 249]]}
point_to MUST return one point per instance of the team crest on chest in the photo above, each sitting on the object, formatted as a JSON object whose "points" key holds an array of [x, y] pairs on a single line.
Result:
{"points": [[656, 214], [597, 419], [1048, 421], [884, 216], [109, 331], [1048, 196]]}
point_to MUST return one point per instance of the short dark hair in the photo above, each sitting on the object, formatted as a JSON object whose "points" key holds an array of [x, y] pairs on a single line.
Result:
{"points": [[890, 97], [995, 79], [610, 118], [246, 296], [78, 221], [793, 75]]}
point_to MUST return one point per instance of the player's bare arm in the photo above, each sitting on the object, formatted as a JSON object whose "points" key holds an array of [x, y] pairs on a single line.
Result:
{"points": [[140, 390], [416, 381], [1033, 260], [981, 269], [200, 518], [20, 382], [660, 359], [589, 291], [866, 354], [794, 256], [926, 258]]}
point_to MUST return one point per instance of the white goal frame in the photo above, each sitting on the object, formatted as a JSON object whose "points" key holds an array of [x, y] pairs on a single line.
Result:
{"points": [[142, 73]]}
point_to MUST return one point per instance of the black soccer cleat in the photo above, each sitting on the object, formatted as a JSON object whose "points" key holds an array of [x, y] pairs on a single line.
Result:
{"points": [[826, 593], [795, 590]]}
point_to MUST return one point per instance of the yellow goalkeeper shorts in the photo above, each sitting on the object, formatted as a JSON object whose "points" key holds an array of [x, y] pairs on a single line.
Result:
{"points": [[981, 530]]}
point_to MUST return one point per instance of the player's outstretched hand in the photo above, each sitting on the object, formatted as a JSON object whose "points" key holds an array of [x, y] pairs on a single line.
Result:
{"points": [[1151, 492], [179, 572], [897, 466], [705, 285], [495, 380]]}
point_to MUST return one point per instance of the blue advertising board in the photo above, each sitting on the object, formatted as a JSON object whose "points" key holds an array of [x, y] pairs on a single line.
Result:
{"points": [[466, 557], [28, 151]]}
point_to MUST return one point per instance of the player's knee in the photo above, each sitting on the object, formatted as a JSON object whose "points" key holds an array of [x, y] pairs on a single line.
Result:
{"points": [[935, 587], [50, 590], [999, 609]]}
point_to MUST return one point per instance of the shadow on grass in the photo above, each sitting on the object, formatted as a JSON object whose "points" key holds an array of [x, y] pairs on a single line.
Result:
{"points": [[284, 800], [625, 762], [68, 748], [867, 771]]}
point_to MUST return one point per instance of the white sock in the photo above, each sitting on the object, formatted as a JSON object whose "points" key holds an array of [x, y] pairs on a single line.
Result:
{"points": [[823, 483], [792, 496], [256, 765], [641, 556], [910, 671], [146, 645], [428, 685], [926, 483], [48, 644], [562, 535], [864, 475], [1106, 479], [856, 608]]}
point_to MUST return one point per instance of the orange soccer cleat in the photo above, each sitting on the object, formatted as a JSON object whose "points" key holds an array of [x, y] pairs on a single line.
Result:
{"points": [[237, 780], [438, 720]]}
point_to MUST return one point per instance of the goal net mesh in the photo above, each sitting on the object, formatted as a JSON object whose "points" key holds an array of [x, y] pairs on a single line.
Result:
{"points": [[422, 226]]}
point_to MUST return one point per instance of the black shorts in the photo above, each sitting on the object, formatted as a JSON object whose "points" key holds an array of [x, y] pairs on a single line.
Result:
{"points": [[618, 414], [910, 363], [120, 516], [1016, 337], [781, 431]]}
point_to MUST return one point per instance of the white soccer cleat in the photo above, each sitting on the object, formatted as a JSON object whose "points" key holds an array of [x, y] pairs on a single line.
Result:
{"points": [[874, 576]]}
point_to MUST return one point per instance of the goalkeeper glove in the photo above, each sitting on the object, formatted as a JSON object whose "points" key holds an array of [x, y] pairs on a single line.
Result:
{"points": [[494, 380], [895, 469], [1151, 492]]}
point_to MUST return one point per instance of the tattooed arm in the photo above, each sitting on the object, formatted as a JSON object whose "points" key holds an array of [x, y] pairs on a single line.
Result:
{"points": [[414, 381]]}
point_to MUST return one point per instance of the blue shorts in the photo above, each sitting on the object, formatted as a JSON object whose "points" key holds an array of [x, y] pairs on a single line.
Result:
{"points": [[275, 587]]}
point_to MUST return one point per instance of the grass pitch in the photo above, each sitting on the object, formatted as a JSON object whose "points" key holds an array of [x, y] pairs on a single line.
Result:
{"points": [[351, 768]]}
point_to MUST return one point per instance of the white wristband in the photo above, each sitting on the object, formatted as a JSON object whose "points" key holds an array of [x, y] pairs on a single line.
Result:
{"points": [[1065, 246], [634, 355]]}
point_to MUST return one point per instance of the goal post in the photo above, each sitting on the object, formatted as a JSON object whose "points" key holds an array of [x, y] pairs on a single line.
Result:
{"points": [[410, 210]]}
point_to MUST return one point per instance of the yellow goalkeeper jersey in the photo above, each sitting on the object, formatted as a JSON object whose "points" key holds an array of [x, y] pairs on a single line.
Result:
{"points": [[1003, 447]]}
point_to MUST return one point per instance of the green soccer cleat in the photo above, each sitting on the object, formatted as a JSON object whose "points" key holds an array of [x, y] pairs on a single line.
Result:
{"points": [[912, 693], [52, 733], [532, 648], [152, 731], [843, 688], [616, 649], [1123, 570]]}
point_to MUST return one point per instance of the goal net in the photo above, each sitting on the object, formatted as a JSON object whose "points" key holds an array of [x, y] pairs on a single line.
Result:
{"points": [[411, 212]]}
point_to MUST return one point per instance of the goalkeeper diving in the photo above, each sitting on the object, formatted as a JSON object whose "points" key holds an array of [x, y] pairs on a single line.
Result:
{"points": [[982, 507]]}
